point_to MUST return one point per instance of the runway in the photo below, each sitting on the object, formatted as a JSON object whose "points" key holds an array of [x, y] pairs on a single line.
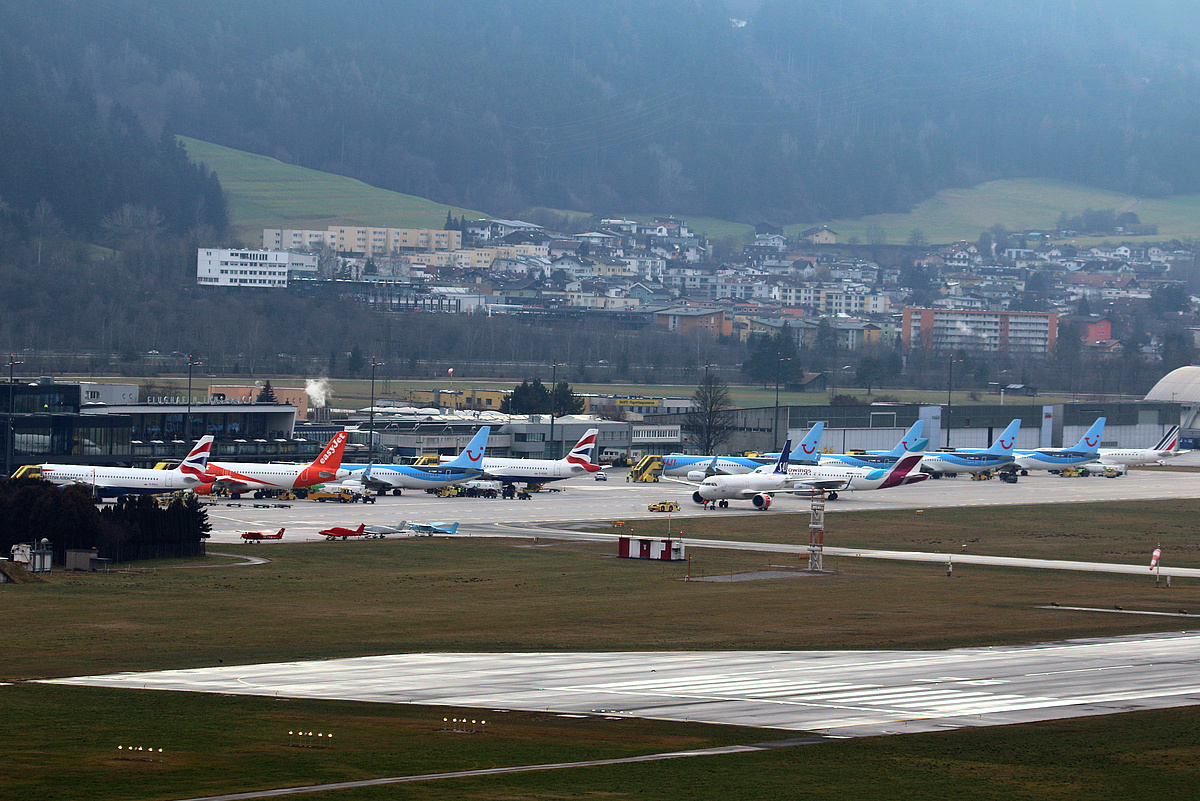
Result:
{"points": [[838, 693]]}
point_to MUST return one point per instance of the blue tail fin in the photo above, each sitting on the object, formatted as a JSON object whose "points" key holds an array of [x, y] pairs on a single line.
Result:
{"points": [[781, 464], [808, 451], [472, 456], [1003, 446], [908, 440], [1090, 442]]}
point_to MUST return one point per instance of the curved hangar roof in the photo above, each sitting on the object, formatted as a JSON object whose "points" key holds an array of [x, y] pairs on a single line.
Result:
{"points": [[1181, 385]]}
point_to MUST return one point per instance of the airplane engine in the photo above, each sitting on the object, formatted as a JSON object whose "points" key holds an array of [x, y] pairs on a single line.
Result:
{"points": [[696, 475], [698, 498], [761, 501]]}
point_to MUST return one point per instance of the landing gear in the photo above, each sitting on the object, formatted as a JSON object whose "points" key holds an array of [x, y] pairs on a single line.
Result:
{"points": [[394, 492], [831, 495]]}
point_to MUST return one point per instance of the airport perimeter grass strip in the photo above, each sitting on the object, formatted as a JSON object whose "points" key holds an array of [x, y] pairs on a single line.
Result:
{"points": [[60, 743]]}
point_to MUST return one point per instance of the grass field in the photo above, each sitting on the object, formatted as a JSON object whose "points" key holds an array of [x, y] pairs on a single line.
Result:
{"points": [[266, 193], [327, 600]]}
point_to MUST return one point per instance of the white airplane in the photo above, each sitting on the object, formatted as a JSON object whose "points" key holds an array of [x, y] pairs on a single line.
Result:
{"points": [[581, 461], [1122, 458], [975, 460], [239, 477], [758, 487], [397, 477], [1086, 450], [110, 481]]}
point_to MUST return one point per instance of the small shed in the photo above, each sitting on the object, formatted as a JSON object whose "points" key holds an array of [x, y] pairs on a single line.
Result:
{"points": [[658, 550]]}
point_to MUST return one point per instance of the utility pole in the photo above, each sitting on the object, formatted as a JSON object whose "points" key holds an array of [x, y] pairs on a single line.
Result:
{"points": [[553, 406], [187, 421], [12, 431], [371, 413], [779, 360], [708, 411]]}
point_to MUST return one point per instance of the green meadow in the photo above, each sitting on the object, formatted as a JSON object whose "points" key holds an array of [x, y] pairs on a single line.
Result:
{"points": [[267, 193]]}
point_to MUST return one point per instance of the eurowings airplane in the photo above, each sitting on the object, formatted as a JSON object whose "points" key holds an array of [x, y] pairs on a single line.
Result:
{"points": [[581, 461], [396, 477], [759, 487], [697, 468], [239, 477], [1086, 450], [117, 481], [1167, 447]]}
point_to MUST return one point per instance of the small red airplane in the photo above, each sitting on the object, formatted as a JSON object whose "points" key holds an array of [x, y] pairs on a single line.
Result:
{"points": [[343, 533], [259, 536]]}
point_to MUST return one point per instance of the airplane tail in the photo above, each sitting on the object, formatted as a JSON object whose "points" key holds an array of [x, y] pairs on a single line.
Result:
{"points": [[325, 467], [905, 469], [807, 450], [452, 528], [1090, 442], [1003, 446], [781, 464], [1170, 442], [584, 452], [910, 438], [196, 462], [471, 457]]}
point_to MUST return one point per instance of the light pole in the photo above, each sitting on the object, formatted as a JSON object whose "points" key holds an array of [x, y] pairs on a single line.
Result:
{"points": [[187, 421], [553, 405], [371, 413], [779, 360], [707, 398], [949, 389], [12, 431]]}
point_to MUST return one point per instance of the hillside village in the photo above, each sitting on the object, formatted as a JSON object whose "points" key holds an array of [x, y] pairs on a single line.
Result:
{"points": [[1010, 297]]}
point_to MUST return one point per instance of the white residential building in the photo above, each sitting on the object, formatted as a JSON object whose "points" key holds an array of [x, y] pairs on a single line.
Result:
{"points": [[257, 268]]}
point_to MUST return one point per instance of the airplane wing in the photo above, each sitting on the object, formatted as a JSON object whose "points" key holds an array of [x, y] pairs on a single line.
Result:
{"points": [[238, 485], [680, 481]]}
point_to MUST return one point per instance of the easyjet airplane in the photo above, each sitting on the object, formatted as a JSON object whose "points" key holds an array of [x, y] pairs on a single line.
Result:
{"points": [[239, 477]]}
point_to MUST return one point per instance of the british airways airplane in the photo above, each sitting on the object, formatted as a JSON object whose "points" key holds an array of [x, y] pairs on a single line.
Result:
{"points": [[109, 481], [1086, 450]]}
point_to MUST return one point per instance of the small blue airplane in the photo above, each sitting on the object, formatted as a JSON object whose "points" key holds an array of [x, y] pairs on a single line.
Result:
{"points": [[433, 528]]}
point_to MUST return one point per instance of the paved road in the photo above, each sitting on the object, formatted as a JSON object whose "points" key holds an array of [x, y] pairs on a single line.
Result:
{"points": [[838, 693]]}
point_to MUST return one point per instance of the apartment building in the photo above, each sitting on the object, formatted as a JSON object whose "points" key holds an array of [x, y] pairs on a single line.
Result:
{"points": [[970, 329], [366, 240]]}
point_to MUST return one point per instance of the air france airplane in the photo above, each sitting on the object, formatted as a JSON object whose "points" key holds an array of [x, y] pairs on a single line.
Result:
{"points": [[1086, 450], [1166, 448], [117, 481]]}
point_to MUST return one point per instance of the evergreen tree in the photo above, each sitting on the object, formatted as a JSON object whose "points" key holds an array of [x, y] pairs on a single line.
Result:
{"points": [[266, 394]]}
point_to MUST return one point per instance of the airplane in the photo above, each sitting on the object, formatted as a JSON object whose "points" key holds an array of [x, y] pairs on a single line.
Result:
{"points": [[398, 477], [239, 477], [381, 529], [434, 528], [758, 487], [1086, 450], [581, 461], [678, 465], [975, 460], [875, 459], [1167, 447], [259, 536], [343, 533], [117, 481]]}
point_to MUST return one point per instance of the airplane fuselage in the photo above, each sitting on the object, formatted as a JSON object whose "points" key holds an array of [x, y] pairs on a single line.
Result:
{"points": [[112, 481], [532, 471], [254, 476], [409, 476]]}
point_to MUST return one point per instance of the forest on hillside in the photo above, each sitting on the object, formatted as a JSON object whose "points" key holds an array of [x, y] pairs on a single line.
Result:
{"points": [[802, 111]]}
